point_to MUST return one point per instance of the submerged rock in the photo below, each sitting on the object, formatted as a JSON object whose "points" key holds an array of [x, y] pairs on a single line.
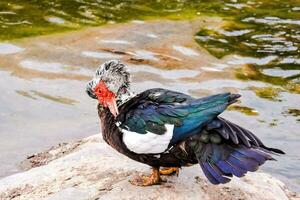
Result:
{"points": [[90, 169]]}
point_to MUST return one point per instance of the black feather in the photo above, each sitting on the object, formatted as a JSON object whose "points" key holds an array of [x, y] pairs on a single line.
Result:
{"points": [[232, 133]]}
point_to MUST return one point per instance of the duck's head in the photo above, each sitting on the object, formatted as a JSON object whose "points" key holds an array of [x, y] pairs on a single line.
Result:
{"points": [[110, 83]]}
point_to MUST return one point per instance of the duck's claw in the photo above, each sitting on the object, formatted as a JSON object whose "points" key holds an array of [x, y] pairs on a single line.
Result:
{"points": [[169, 171], [153, 179]]}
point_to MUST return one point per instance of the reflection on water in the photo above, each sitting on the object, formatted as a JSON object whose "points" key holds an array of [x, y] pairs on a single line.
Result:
{"points": [[21, 18], [6, 48], [102, 55], [54, 67], [271, 93], [185, 51], [254, 72], [37, 113], [243, 109], [59, 99], [266, 36], [33, 94], [293, 112], [25, 94]]}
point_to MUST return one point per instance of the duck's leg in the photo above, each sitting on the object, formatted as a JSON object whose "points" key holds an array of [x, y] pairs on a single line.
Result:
{"points": [[153, 179], [169, 171]]}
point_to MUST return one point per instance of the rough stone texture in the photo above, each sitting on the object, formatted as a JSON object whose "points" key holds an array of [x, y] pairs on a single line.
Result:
{"points": [[53, 153], [90, 169]]}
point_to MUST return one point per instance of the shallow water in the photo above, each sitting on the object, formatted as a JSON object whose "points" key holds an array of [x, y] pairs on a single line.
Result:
{"points": [[42, 80], [265, 33], [266, 36]]}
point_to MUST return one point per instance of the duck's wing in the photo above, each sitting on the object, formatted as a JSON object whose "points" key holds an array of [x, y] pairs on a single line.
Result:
{"points": [[224, 149], [156, 119]]}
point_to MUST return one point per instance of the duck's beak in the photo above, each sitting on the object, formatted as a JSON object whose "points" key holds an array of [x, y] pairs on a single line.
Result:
{"points": [[112, 106]]}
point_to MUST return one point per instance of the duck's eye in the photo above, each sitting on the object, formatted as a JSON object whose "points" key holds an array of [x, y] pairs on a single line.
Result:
{"points": [[97, 91]]}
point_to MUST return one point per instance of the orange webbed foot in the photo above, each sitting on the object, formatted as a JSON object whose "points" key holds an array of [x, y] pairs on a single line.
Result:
{"points": [[153, 179], [168, 171]]}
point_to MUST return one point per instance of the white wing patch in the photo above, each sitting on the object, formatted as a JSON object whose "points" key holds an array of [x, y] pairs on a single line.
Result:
{"points": [[148, 143]]}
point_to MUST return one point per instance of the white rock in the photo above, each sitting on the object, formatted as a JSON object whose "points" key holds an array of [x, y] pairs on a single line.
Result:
{"points": [[94, 170]]}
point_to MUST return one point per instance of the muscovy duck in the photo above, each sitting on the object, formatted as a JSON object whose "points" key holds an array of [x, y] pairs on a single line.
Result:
{"points": [[164, 128]]}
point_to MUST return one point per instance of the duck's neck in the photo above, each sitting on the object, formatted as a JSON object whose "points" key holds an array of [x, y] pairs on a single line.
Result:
{"points": [[124, 96], [110, 132]]}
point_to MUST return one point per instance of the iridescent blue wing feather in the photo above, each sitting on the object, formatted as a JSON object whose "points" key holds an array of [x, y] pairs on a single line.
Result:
{"points": [[222, 148], [151, 110], [225, 149]]}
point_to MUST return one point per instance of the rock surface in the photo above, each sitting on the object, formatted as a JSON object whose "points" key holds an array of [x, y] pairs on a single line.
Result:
{"points": [[90, 169]]}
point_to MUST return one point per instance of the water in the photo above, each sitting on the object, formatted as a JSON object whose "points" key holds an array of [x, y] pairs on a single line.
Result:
{"points": [[34, 17], [251, 47], [258, 28]]}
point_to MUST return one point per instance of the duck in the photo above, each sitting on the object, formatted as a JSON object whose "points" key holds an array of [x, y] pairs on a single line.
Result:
{"points": [[169, 130]]}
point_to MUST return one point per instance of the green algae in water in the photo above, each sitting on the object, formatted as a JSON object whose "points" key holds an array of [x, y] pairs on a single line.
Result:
{"points": [[258, 29], [292, 112], [58, 99], [254, 72], [243, 109], [261, 121], [25, 94], [23, 18], [255, 29], [272, 124], [270, 93]]}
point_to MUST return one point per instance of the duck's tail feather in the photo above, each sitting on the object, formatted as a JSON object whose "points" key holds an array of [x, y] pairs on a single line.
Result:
{"points": [[225, 149], [237, 134], [220, 162]]}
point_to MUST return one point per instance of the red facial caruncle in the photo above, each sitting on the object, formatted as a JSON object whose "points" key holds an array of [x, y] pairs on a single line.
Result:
{"points": [[106, 97]]}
